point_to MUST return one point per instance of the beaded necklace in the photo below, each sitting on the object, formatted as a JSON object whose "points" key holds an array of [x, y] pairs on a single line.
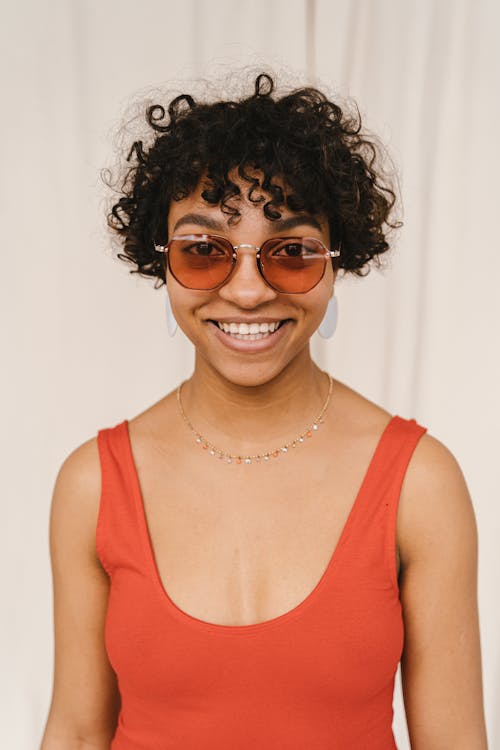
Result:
{"points": [[230, 458]]}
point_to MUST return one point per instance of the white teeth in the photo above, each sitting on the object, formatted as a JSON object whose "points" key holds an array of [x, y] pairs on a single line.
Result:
{"points": [[249, 329]]}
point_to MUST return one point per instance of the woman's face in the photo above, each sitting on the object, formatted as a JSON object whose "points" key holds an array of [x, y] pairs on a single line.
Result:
{"points": [[246, 297]]}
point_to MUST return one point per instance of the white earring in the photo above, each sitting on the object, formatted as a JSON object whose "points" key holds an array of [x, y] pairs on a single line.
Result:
{"points": [[329, 322], [171, 321]]}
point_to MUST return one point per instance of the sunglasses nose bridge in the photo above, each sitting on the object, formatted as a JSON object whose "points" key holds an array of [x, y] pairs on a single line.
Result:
{"points": [[242, 277], [249, 247], [256, 256], [244, 244]]}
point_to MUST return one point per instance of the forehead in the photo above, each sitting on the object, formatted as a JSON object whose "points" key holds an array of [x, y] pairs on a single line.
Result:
{"points": [[194, 210]]}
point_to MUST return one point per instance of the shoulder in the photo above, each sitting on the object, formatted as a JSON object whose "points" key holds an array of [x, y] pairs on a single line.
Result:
{"points": [[435, 511], [435, 514], [76, 495], [80, 470]]}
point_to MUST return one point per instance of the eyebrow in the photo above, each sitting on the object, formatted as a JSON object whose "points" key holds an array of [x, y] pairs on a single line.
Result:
{"points": [[208, 222]]}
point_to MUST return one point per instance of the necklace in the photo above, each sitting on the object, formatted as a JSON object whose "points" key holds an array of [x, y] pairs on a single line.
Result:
{"points": [[230, 458]]}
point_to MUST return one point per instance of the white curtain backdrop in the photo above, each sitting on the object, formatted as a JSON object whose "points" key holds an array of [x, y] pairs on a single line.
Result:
{"points": [[85, 343]]}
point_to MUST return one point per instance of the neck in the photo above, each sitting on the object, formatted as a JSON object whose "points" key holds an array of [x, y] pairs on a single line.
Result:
{"points": [[247, 417]]}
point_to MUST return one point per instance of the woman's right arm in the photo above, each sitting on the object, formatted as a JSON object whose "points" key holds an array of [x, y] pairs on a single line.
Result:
{"points": [[85, 697]]}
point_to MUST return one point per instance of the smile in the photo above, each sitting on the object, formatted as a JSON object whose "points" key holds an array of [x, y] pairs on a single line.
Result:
{"points": [[249, 331], [249, 336]]}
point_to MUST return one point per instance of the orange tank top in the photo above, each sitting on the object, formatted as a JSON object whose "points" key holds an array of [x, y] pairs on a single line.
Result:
{"points": [[319, 677]]}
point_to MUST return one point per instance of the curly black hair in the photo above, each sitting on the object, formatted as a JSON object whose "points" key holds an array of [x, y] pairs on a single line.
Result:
{"points": [[325, 162]]}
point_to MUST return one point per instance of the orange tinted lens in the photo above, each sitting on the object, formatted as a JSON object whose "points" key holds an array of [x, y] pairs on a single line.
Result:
{"points": [[293, 265], [200, 262]]}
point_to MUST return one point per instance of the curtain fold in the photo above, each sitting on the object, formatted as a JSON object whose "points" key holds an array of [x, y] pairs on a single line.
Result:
{"points": [[85, 344]]}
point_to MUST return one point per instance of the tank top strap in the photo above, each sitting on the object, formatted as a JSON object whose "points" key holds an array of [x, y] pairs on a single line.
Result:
{"points": [[371, 541], [391, 458], [119, 542]]}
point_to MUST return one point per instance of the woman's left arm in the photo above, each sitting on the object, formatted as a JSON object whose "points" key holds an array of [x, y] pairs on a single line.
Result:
{"points": [[441, 662]]}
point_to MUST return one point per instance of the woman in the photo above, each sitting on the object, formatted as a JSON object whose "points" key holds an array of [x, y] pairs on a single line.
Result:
{"points": [[245, 563]]}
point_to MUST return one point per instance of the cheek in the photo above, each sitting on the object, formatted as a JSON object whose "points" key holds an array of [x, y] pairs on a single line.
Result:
{"points": [[182, 300], [317, 301], [183, 306], [318, 308], [319, 313], [187, 306]]}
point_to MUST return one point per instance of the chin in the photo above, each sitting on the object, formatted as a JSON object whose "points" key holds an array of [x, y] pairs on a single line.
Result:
{"points": [[248, 375]]}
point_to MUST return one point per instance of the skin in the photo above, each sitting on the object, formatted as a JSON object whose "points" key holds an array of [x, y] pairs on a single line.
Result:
{"points": [[249, 389], [232, 571]]}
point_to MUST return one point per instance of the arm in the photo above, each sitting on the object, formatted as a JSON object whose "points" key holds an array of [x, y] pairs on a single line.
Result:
{"points": [[441, 662], [85, 698]]}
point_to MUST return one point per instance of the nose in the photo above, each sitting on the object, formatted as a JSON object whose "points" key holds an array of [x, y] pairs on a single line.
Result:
{"points": [[246, 288]]}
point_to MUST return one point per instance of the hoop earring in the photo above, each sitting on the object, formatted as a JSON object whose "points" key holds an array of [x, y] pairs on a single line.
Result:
{"points": [[329, 322], [171, 321]]}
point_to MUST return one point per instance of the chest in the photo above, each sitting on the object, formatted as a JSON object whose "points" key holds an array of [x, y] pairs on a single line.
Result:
{"points": [[238, 545]]}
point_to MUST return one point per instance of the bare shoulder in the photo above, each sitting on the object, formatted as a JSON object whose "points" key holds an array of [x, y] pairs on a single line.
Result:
{"points": [[435, 512], [77, 489], [435, 508], [81, 464], [434, 494]]}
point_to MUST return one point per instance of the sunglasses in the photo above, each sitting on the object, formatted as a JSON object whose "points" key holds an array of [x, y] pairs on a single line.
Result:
{"points": [[292, 265]]}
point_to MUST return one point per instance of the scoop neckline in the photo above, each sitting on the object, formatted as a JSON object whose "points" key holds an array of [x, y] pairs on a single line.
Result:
{"points": [[285, 617]]}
